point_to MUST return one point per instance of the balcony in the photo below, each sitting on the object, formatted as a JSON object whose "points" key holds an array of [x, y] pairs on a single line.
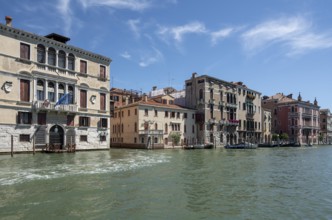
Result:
{"points": [[233, 122], [42, 105], [250, 115], [231, 105], [212, 101], [212, 121], [151, 132], [54, 69]]}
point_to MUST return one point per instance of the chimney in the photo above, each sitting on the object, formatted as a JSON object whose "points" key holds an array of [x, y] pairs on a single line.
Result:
{"points": [[127, 100], [154, 88], [194, 75], [8, 21], [145, 97]]}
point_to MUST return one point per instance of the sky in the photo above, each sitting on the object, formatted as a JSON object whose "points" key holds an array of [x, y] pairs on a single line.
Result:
{"points": [[271, 46]]}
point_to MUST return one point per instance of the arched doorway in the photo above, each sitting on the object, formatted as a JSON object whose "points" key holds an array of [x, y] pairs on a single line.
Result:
{"points": [[56, 136]]}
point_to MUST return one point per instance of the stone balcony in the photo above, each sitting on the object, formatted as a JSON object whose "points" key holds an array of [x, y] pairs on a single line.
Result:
{"points": [[150, 132], [42, 105]]}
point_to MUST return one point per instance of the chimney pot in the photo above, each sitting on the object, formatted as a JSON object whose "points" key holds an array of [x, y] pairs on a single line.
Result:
{"points": [[8, 21]]}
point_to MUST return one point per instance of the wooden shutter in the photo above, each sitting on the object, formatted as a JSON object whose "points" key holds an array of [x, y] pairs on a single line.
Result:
{"points": [[24, 90], [25, 51], [102, 72], [83, 99], [83, 66], [102, 102], [42, 118]]}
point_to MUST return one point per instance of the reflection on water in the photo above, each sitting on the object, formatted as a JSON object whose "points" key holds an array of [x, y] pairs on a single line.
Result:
{"points": [[280, 183]]}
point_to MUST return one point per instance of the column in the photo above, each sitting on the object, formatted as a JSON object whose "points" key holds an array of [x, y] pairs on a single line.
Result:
{"points": [[45, 89], [56, 91]]}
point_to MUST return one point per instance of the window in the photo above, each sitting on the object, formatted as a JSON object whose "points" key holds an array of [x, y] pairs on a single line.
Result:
{"points": [[166, 114], [171, 102], [128, 112], [71, 94], [156, 140], [201, 94], [172, 114], [41, 53], [24, 138], [102, 72], [83, 138], [83, 97], [193, 116], [102, 138], [166, 128], [146, 112], [184, 115], [135, 111], [135, 128], [41, 118], [84, 121], [142, 140], [155, 113], [25, 90], [135, 140], [70, 120], [51, 90], [71, 62], [103, 122], [102, 101], [40, 90], [155, 126], [83, 66], [178, 115], [51, 57], [62, 59], [61, 91], [24, 117], [193, 129], [25, 51]]}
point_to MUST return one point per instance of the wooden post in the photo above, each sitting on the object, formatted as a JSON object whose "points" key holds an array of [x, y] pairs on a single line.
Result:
{"points": [[33, 144], [12, 146]]}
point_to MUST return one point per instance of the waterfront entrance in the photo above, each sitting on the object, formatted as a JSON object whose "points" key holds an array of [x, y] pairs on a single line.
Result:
{"points": [[56, 136]]}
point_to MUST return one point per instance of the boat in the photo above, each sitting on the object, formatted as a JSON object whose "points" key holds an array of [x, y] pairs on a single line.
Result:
{"points": [[267, 145], [243, 145], [199, 146]]}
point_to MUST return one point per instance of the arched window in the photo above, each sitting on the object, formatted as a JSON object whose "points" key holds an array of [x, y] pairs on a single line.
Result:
{"points": [[40, 90], [51, 91], [201, 94], [41, 53], [51, 56], [61, 91], [71, 61], [71, 95], [62, 59]]}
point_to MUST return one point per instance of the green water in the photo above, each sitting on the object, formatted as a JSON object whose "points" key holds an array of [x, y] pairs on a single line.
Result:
{"points": [[280, 183]]}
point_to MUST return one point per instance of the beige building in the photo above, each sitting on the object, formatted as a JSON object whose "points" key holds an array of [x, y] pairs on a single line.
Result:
{"points": [[36, 71], [266, 126], [151, 123], [216, 103], [249, 113]]}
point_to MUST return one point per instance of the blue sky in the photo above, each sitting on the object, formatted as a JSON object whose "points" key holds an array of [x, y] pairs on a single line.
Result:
{"points": [[272, 46]]}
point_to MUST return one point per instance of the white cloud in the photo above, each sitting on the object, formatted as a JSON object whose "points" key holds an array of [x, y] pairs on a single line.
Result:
{"points": [[294, 33], [63, 7], [133, 25], [135, 5], [126, 55], [178, 32], [221, 34], [151, 58]]}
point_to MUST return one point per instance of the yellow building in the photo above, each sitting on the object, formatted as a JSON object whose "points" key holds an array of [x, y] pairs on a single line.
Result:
{"points": [[152, 123], [36, 71]]}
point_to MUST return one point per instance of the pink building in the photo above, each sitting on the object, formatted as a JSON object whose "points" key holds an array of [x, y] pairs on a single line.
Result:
{"points": [[299, 119]]}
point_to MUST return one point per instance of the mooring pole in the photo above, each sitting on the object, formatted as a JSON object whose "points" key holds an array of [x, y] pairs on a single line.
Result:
{"points": [[33, 144], [12, 146]]}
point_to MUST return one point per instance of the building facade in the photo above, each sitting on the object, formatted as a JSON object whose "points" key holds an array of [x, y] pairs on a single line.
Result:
{"points": [[152, 123], [216, 103], [36, 72], [267, 126], [297, 118], [249, 114], [325, 126]]}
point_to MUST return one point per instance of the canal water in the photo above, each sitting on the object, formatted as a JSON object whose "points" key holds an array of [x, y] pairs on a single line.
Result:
{"points": [[279, 183]]}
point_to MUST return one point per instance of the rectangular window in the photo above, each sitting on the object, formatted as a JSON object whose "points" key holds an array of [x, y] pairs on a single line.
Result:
{"points": [[135, 111], [84, 121], [178, 115], [146, 112], [83, 138], [128, 112], [102, 101], [24, 138], [102, 75], [25, 51], [24, 117], [135, 140], [41, 118], [166, 114], [83, 66], [103, 122], [184, 115], [83, 97], [155, 113], [70, 120], [172, 114], [24, 90], [102, 138]]}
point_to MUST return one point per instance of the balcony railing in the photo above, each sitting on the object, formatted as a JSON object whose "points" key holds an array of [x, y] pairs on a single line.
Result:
{"points": [[233, 122], [42, 105], [250, 114], [211, 101], [231, 105], [151, 132], [54, 69]]}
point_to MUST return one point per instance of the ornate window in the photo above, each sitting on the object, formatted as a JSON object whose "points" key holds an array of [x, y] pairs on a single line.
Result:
{"points": [[51, 56], [62, 59], [41, 53], [40, 90], [51, 92], [71, 62]]}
